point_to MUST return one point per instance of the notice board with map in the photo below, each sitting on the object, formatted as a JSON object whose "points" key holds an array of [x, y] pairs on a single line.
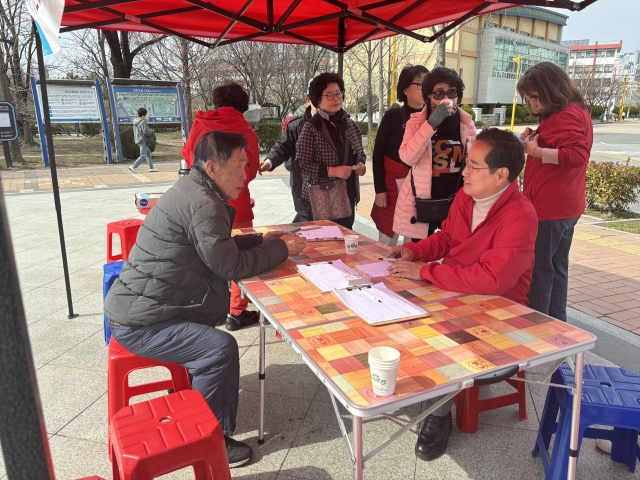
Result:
{"points": [[162, 103]]}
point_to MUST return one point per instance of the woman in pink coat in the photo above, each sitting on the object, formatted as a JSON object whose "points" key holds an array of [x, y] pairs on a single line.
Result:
{"points": [[434, 143]]}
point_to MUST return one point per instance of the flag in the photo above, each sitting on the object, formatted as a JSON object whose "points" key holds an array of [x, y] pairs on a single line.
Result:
{"points": [[47, 14]]}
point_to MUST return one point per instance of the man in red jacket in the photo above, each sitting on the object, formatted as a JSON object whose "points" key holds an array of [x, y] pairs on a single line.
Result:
{"points": [[486, 245], [231, 101]]}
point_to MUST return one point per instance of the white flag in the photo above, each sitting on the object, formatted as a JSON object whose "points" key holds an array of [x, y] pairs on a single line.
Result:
{"points": [[48, 15]]}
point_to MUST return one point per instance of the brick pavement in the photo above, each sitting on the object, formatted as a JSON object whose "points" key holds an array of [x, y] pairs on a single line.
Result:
{"points": [[604, 271]]}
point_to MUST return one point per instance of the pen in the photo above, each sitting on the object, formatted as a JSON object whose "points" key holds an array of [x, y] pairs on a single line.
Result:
{"points": [[392, 260], [370, 296]]}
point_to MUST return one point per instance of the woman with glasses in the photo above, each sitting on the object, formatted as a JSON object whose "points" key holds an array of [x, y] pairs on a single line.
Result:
{"points": [[434, 144], [330, 153], [554, 178], [389, 171]]}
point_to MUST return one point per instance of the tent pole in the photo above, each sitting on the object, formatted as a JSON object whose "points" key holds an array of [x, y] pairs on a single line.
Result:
{"points": [[342, 26], [54, 171]]}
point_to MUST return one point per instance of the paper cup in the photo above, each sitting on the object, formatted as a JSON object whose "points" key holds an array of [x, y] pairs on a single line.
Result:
{"points": [[384, 363], [351, 243], [448, 101]]}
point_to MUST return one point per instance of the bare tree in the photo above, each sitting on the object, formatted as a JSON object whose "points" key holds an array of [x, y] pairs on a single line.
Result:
{"points": [[120, 52], [441, 42]]}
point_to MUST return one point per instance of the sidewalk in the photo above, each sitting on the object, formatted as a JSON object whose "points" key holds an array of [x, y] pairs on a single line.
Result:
{"points": [[604, 272]]}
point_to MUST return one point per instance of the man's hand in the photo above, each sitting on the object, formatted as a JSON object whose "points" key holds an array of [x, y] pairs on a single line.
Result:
{"points": [[264, 167], [343, 172], [274, 235], [401, 253], [381, 200], [361, 169], [295, 244], [405, 269]]}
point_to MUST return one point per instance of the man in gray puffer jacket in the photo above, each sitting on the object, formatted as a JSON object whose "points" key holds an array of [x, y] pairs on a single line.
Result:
{"points": [[173, 289]]}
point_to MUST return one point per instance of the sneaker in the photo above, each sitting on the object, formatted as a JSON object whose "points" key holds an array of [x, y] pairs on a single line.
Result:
{"points": [[132, 169], [154, 170], [236, 322], [238, 453]]}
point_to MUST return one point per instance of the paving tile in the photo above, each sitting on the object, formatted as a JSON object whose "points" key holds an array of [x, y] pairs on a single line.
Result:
{"points": [[622, 316], [51, 338]]}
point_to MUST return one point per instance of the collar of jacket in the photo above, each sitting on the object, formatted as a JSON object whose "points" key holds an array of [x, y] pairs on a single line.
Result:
{"points": [[341, 115], [201, 177], [511, 191]]}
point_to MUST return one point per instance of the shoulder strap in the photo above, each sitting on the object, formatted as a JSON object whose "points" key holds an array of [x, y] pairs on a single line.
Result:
{"points": [[403, 112], [346, 146]]}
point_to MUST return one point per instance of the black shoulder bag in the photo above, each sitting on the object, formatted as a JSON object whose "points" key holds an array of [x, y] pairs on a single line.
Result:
{"points": [[429, 210]]}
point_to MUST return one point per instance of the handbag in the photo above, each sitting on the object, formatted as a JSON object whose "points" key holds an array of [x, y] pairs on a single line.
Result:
{"points": [[429, 210], [330, 200], [150, 139]]}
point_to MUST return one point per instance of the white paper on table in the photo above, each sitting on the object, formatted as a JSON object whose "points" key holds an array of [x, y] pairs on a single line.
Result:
{"points": [[378, 304], [377, 269], [322, 233], [326, 275]]}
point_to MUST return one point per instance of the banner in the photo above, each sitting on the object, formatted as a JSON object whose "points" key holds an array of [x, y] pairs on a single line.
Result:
{"points": [[47, 14], [161, 103]]}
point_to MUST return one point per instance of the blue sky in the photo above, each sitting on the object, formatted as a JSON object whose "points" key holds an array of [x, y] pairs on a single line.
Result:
{"points": [[606, 20]]}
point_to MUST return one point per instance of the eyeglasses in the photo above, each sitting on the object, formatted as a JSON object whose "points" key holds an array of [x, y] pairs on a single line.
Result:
{"points": [[417, 84], [440, 94], [333, 95], [472, 168]]}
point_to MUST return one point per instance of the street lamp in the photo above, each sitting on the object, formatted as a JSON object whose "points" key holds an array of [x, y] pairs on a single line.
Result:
{"points": [[515, 89]]}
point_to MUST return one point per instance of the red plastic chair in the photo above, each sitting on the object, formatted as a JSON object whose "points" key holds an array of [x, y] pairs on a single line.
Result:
{"points": [[122, 362], [153, 438], [469, 405], [127, 230]]}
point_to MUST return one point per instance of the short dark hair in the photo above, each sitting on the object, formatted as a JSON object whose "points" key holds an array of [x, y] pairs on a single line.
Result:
{"points": [[320, 84], [217, 146], [506, 151], [406, 77], [142, 112], [554, 88], [231, 95], [442, 75]]}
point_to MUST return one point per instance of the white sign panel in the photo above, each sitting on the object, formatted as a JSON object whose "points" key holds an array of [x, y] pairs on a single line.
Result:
{"points": [[68, 104]]}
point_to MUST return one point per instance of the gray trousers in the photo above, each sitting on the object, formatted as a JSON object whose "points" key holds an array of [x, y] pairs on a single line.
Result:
{"points": [[442, 410], [211, 355]]}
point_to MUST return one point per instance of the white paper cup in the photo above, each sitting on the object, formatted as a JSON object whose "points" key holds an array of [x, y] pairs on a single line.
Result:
{"points": [[384, 363], [351, 243], [448, 101]]}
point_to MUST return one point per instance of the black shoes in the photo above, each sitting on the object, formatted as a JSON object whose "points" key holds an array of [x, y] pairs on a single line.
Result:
{"points": [[238, 453], [236, 322], [434, 437]]}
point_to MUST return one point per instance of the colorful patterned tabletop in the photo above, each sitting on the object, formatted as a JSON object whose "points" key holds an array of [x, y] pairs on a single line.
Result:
{"points": [[464, 335]]}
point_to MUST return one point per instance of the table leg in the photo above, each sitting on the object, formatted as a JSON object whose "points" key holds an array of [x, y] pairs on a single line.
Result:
{"points": [[261, 378], [575, 417], [358, 465]]}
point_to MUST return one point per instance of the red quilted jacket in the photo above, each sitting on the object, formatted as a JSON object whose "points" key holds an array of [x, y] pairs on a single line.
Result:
{"points": [[228, 119], [496, 259]]}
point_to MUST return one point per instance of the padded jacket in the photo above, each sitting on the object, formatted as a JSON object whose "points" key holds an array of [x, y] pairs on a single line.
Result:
{"points": [[184, 257]]}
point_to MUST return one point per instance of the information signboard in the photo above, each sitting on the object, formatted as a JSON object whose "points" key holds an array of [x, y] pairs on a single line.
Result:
{"points": [[162, 103], [72, 104], [8, 123]]}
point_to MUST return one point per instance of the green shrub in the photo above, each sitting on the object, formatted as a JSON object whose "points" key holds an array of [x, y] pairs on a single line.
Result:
{"points": [[634, 111], [371, 141], [90, 129], [521, 113], [530, 119], [596, 111], [130, 150], [364, 127], [612, 185], [268, 134], [480, 123], [469, 110]]}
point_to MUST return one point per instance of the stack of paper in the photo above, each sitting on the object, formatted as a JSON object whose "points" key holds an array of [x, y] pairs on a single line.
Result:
{"points": [[322, 233], [326, 275]]}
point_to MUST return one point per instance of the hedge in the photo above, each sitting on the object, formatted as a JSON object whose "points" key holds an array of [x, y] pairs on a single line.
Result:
{"points": [[521, 113], [371, 141], [130, 150], [268, 134], [469, 110], [364, 127], [612, 185]]}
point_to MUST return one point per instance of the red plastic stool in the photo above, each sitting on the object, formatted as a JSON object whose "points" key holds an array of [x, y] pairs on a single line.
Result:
{"points": [[122, 362], [469, 405], [127, 230], [153, 438]]}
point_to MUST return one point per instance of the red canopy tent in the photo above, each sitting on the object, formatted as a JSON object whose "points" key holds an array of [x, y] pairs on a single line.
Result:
{"points": [[332, 24]]}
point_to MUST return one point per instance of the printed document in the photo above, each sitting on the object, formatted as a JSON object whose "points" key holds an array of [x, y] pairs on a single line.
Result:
{"points": [[326, 275], [322, 233]]}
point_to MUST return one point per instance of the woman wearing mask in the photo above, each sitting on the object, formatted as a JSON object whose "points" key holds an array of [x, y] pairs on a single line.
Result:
{"points": [[329, 150], [435, 141], [389, 171], [554, 178]]}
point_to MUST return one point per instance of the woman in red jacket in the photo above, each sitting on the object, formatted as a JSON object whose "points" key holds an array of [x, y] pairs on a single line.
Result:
{"points": [[231, 101], [554, 178]]}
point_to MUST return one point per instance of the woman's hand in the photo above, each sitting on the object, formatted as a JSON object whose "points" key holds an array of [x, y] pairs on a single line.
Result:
{"points": [[438, 116], [343, 172], [381, 200], [404, 269], [524, 135], [530, 144], [360, 169]]}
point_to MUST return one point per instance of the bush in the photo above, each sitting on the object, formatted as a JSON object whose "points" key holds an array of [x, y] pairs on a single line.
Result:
{"points": [[616, 110], [371, 141], [480, 123], [268, 134], [130, 150], [596, 111], [612, 185], [90, 129], [634, 111], [530, 119], [469, 110], [521, 113], [364, 127]]}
